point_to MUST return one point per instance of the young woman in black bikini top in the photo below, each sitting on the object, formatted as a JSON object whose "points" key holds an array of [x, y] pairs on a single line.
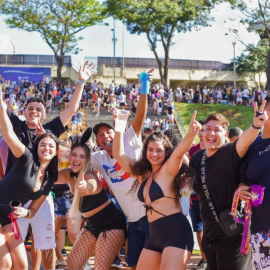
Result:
{"points": [[155, 193], [169, 228]]}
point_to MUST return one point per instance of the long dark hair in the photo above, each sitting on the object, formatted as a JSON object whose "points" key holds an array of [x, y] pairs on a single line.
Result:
{"points": [[143, 166], [52, 169]]}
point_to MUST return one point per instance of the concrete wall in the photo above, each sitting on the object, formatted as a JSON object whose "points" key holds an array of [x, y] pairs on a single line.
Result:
{"points": [[186, 77]]}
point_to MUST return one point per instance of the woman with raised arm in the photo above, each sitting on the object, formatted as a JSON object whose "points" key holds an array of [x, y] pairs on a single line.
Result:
{"points": [[171, 240], [31, 178], [105, 229]]}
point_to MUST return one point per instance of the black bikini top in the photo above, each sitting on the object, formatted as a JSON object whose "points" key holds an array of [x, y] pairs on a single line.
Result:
{"points": [[92, 202], [155, 193]]}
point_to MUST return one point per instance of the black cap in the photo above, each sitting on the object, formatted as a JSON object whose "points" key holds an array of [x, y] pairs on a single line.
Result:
{"points": [[96, 127]]}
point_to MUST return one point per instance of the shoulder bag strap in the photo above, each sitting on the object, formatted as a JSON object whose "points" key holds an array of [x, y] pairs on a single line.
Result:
{"points": [[205, 189]]}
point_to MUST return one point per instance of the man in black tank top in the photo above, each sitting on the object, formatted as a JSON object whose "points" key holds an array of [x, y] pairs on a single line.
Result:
{"points": [[222, 179]]}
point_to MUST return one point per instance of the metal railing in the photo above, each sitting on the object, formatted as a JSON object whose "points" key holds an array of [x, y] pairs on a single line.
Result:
{"points": [[31, 60], [173, 64]]}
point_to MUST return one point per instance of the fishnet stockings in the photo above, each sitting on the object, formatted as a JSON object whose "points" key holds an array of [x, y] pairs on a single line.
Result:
{"points": [[83, 248], [106, 249]]}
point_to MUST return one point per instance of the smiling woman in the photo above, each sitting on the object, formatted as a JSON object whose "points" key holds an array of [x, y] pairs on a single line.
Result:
{"points": [[31, 178], [105, 224], [171, 242]]}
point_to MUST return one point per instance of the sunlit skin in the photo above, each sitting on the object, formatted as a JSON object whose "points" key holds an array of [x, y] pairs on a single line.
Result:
{"points": [[266, 127], [233, 139], [46, 149], [105, 136], [77, 159], [34, 112], [214, 136], [155, 154]]}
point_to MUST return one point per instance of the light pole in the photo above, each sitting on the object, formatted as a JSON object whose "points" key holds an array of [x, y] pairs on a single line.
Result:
{"points": [[234, 68], [114, 41]]}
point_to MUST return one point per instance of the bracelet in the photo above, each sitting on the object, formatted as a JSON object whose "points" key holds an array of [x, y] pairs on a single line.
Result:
{"points": [[80, 81], [1, 106], [255, 127]]}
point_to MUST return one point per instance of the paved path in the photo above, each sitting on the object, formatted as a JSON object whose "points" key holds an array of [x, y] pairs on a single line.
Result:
{"points": [[194, 260]]}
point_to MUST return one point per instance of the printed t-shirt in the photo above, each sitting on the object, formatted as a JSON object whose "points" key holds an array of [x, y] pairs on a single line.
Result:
{"points": [[222, 179], [118, 180], [256, 171]]}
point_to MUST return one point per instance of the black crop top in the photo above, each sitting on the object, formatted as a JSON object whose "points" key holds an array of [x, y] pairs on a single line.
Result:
{"points": [[19, 183], [91, 202], [155, 193]]}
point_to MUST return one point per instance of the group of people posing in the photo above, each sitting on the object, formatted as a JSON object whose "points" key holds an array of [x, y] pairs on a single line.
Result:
{"points": [[147, 181]]}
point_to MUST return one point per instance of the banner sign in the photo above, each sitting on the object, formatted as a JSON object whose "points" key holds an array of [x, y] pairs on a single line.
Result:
{"points": [[16, 74]]}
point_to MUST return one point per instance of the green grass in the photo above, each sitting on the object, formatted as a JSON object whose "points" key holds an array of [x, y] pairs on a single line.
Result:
{"points": [[238, 116]]}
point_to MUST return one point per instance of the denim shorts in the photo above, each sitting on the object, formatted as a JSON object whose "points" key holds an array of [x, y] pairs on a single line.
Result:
{"points": [[61, 206], [196, 220], [138, 234]]}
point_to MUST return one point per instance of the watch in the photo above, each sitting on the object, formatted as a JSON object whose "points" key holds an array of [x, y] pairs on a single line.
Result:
{"points": [[28, 213]]}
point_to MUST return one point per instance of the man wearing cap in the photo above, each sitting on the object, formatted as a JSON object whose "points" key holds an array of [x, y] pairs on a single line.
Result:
{"points": [[121, 182]]}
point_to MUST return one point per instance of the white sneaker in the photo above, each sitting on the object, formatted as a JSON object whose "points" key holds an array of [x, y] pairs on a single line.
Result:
{"points": [[61, 263], [87, 267]]}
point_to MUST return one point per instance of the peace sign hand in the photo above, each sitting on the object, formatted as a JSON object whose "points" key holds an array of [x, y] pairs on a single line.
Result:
{"points": [[260, 116], [194, 126], [86, 71], [39, 129]]}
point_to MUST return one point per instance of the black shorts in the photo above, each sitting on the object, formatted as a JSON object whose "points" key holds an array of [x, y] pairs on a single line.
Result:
{"points": [[109, 218], [170, 231], [5, 210]]}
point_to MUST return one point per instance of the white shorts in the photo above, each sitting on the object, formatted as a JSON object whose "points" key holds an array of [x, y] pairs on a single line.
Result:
{"points": [[42, 225], [260, 246], [171, 117]]}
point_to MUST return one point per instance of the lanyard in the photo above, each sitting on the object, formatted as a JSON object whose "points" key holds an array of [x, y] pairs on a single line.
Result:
{"points": [[245, 236], [14, 226]]}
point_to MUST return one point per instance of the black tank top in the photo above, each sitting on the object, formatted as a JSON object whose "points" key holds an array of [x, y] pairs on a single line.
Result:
{"points": [[92, 202]]}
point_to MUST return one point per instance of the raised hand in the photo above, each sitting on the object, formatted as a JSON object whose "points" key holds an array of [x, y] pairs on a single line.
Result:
{"points": [[259, 116], [194, 126], [82, 186], [1, 99], [150, 71], [86, 71], [39, 129]]}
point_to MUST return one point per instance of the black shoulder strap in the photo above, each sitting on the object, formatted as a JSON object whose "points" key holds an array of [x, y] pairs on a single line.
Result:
{"points": [[205, 189]]}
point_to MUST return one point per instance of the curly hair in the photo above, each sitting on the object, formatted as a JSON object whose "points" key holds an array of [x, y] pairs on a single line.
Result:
{"points": [[143, 166]]}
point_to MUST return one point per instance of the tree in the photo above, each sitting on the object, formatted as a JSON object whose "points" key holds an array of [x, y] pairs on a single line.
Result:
{"points": [[160, 20], [251, 63], [57, 21], [257, 19]]}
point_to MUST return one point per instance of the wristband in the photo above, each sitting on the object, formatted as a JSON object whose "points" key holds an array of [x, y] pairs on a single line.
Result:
{"points": [[1, 106], [255, 127], [80, 81]]}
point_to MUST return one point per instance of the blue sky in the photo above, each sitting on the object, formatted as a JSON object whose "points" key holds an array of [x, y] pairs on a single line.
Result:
{"points": [[207, 44]]}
